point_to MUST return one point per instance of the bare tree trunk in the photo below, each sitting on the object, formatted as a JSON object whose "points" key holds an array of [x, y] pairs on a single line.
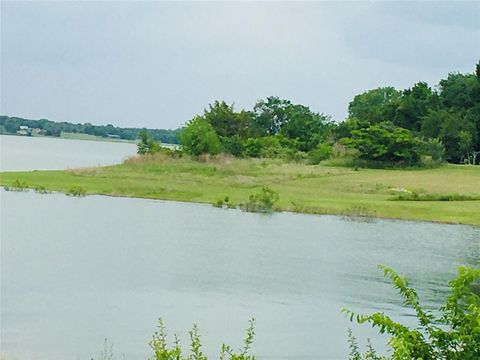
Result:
{"points": [[474, 156]]}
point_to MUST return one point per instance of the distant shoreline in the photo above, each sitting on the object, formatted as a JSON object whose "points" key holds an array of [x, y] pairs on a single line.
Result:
{"points": [[74, 136]]}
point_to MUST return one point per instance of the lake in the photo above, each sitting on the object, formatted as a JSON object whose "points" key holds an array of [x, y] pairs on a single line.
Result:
{"points": [[78, 270], [20, 153]]}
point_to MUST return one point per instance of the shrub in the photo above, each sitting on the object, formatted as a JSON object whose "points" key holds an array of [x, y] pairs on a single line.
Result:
{"points": [[147, 145], [414, 196], [199, 137], [76, 191], [253, 147], [435, 149], [17, 185], [271, 147], [233, 145], [41, 190], [320, 153], [291, 154], [261, 202], [385, 142], [453, 335]]}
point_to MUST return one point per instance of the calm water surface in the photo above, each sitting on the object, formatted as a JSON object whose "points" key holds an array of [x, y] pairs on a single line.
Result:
{"points": [[20, 153], [77, 270]]}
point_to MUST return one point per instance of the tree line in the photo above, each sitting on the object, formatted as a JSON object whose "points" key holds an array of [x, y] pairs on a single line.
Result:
{"points": [[384, 125], [11, 125]]}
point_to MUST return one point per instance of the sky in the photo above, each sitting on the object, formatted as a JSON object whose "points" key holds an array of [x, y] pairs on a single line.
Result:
{"points": [[157, 64]]}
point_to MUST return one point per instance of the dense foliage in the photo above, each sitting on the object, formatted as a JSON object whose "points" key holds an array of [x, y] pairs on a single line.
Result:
{"points": [[199, 137], [385, 142], [262, 201], [451, 335], [384, 125], [274, 128], [146, 144], [11, 125], [448, 116]]}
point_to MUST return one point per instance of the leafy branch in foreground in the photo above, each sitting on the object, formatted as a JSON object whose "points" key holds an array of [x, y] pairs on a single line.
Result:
{"points": [[455, 335], [162, 351]]}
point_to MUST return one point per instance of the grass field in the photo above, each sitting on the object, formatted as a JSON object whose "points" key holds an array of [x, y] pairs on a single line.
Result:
{"points": [[308, 189]]}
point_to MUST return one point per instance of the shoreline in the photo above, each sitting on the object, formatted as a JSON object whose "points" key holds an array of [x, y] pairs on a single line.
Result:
{"points": [[99, 139], [93, 138], [315, 190], [359, 218]]}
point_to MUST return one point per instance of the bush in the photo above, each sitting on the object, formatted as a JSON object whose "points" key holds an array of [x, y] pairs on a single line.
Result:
{"points": [[385, 142], [233, 145], [453, 335], [414, 196], [76, 191], [322, 152], [41, 190], [253, 147], [261, 202], [272, 147], [199, 137], [435, 149], [147, 145], [291, 154], [17, 185]]}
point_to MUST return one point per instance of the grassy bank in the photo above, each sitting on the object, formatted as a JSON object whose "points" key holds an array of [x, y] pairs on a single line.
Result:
{"points": [[308, 189]]}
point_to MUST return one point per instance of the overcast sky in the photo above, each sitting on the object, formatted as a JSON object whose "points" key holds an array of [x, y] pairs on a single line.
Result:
{"points": [[156, 64]]}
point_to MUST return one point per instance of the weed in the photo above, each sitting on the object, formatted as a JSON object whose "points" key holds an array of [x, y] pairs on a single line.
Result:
{"points": [[261, 202], [76, 191]]}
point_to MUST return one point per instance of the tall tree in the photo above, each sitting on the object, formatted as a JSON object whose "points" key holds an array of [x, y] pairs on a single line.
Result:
{"points": [[225, 121], [375, 105], [199, 137], [269, 116], [413, 105]]}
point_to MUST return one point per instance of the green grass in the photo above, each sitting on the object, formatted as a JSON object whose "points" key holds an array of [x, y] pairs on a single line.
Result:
{"points": [[309, 189]]}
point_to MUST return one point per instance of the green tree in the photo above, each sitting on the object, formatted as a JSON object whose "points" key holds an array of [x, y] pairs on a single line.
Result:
{"points": [[386, 142], [225, 121], [147, 145], [320, 153], [435, 149], [199, 137], [413, 105], [453, 133], [375, 105], [457, 133], [269, 116], [472, 116], [275, 116], [307, 127], [465, 144], [233, 145], [253, 147], [460, 91]]}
